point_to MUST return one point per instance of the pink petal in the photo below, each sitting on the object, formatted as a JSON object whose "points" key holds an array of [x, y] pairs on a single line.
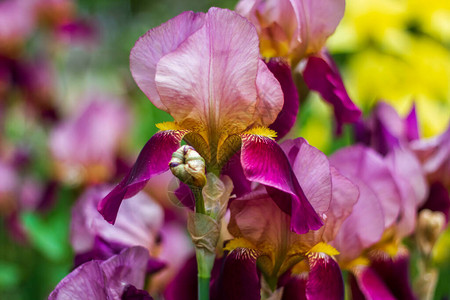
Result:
{"points": [[412, 185], [209, 80], [87, 223], [325, 278], [322, 75], [363, 228], [257, 218], [153, 160], [317, 20], [361, 164], [156, 43], [288, 115], [104, 280], [264, 162], [312, 170], [345, 196]]}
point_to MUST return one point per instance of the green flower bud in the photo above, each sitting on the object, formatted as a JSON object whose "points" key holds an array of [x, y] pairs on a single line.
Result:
{"points": [[188, 166]]}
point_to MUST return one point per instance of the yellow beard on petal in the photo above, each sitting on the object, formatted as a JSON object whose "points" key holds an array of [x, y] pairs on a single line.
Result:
{"points": [[262, 131]]}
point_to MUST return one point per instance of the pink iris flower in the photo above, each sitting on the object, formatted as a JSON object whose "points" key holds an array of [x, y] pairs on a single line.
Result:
{"points": [[204, 70], [297, 30], [262, 228], [391, 189], [79, 156]]}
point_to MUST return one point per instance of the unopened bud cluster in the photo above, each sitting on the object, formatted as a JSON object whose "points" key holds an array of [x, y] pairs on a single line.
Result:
{"points": [[188, 166]]}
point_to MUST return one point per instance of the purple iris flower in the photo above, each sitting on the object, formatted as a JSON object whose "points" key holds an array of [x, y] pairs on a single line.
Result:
{"points": [[122, 276]]}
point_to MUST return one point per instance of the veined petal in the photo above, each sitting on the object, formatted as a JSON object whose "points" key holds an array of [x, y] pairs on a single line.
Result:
{"points": [[104, 279], [322, 75], [156, 43], [210, 81], [317, 20], [238, 278], [312, 170], [325, 278], [153, 160], [362, 164], [363, 228], [286, 118], [263, 161]]}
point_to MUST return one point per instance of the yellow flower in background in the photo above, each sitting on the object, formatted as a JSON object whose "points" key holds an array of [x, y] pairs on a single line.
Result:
{"points": [[398, 51]]}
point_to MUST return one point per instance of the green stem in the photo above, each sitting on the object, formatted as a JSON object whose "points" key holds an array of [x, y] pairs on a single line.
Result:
{"points": [[205, 263], [199, 203]]}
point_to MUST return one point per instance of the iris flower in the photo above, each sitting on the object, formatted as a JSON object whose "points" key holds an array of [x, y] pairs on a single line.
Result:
{"points": [[205, 71], [262, 230], [297, 30], [391, 189], [120, 277]]}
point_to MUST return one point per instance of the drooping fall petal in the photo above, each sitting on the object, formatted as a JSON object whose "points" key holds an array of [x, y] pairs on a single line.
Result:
{"points": [[371, 286], [264, 162], [153, 159], [325, 278], [238, 278], [322, 75]]}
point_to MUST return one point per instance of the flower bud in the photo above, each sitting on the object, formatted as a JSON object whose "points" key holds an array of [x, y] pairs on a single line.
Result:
{"points": [[188, 166], [429, 226]]}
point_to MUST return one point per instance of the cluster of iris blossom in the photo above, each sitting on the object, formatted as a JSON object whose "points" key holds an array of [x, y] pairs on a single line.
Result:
{"points": [[32, 106], [267, 219]]}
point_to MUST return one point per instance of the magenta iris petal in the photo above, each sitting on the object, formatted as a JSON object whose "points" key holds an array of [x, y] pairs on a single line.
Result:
{"points": [[288, 114], [438, 200], [263, 161], [325, 278], [184, 284], [322, 75], [238, 279], [233, 168], [185, 196], [395, 274], [411, 124], [132, 293], [295, 288], [153, 160], [371, 285]]}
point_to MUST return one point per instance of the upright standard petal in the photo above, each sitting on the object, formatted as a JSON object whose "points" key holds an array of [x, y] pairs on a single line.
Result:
{"points": [[263, 161], [208, 82], [156, 43], [362, 164], [322, 75], [153, 160]]}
